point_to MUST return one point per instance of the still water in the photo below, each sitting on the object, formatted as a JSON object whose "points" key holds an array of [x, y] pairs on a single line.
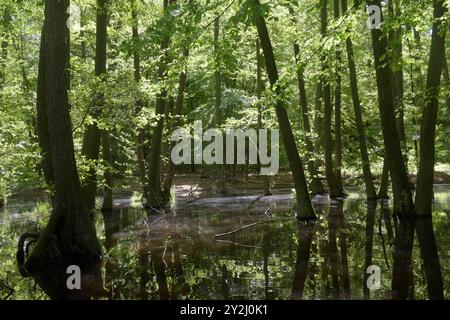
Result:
{"points": [[179, 256]]}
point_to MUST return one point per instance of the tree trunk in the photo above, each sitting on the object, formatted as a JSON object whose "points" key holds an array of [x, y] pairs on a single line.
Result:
{"points": [[337, 108], [447, 81], [154, 177], [178, 110], [384, 185], [403, 203], [69, 237], [141, 146], [333, 187], [305, 209], [368, 178], [259, 89], [91, 140], [395, 37], [221, 189], [424, 194], [41, 113], [106, 154], [315, 185]]}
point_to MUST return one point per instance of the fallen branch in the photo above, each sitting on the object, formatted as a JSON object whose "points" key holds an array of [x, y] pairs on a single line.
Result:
{"points": [[221, 235]]}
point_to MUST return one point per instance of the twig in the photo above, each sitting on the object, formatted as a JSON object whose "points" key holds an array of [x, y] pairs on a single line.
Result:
{"points": [[221, 235]]}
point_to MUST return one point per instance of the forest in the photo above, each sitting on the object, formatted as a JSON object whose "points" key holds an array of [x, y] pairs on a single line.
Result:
{"points": [[224, 149]]}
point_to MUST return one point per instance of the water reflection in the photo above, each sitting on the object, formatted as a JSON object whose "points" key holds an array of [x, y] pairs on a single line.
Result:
{"points": [[177, 257]]}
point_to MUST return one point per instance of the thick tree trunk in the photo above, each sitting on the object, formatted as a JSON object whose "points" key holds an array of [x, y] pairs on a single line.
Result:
{"points": [[430, 259], [403, 203], [305, 209], [333, 187], [91, 140], [402, 271], [424, 194], [69, 237], [447, 81], [395, 37], [259, 89], [368, 178]]}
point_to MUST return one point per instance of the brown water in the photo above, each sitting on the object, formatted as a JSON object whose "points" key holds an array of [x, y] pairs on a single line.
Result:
{"points": [[176, 255]]}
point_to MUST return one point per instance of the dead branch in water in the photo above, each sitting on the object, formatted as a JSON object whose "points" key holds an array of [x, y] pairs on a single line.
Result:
{"points": [[221, 235]]}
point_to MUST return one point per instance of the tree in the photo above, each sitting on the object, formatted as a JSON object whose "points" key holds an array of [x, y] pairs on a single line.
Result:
{"points": [[259, 89], [69, 237], [368, 179], [315, 185], [305, 209], [403, 203], [154, 177], [218, 100], [334, 189], [93, 135], [424, 193], [337, 108]]}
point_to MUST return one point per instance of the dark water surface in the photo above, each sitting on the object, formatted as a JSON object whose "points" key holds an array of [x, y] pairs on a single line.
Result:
{"points": [[176, 256]]}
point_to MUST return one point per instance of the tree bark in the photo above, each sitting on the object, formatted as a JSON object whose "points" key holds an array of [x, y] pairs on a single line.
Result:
{"points": [[403, 203], [305, 209], [368, 178], [424, 194]]}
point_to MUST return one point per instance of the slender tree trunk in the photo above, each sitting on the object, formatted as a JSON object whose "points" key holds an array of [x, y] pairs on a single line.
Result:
{"points": [[305, 234], [315, 185], [368, 178], [221, 189], [41, 112], [69, 237], [384, 185], [154, 177], [424, 194], [318, 128], [178, 111], [106, 154], [140, 139], [91, 140], [370, 222], [403, 203], [305, 209], [337, 108], [334, 190], [259, 89]]}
